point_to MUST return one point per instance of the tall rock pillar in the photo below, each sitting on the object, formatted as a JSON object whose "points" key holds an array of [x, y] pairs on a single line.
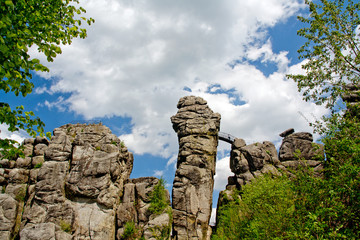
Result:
{"points": [[197, 127]]}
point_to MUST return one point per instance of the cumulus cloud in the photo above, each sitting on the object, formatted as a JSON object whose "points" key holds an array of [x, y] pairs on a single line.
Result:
{"points": [[222, 173], [18, 136], [141, 57]]}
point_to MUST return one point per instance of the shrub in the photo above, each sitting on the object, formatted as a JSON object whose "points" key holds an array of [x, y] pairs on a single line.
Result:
{"points": [[158, 198], [264, 212], [131, 232]]}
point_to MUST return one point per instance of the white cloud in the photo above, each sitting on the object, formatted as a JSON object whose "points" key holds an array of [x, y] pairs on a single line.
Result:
{"points": [[140, 55], [212, 221], [158, 173], [222, 173], [265, 54], [18, 136]]}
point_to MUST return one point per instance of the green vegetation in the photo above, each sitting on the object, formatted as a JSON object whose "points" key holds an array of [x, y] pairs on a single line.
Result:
{"points": [[21, 194], [161, 233], [264, 211], [164, 231], [305, 206], [332, 50], [38, 165], [25, 24], [158, 200], [65, 226], [131, 232]]}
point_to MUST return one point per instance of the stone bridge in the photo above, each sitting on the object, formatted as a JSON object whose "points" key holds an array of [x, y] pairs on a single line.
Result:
{"points": [[226, 137], [197, 127]]}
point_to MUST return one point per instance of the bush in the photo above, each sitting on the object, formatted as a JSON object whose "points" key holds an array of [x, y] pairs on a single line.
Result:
{"points": [[158, 198], [131, 232], [264, 212], [305, 207]]}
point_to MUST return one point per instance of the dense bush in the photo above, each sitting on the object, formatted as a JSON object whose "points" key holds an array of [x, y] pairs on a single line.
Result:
{"points": [[158, 198], [304, 207], [265, 211]]}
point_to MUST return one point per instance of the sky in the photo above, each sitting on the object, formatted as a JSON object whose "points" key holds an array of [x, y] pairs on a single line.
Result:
{"points": [[141, 57]]}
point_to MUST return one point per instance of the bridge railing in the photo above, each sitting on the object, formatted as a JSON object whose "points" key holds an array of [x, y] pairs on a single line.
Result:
{"points": [[226, 137]]}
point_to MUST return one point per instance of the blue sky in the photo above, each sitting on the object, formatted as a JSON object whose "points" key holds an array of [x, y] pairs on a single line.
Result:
{"points": [[141, 56]]}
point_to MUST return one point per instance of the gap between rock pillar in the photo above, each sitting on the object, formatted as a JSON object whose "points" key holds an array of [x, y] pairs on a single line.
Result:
{"points": [[197, 127]]}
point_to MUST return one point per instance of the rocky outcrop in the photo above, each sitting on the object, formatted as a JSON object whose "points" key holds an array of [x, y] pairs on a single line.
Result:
{"points": [[138, 207], [72, 187], [352, 99], [77, 186], [251, 161], [197, 128]]}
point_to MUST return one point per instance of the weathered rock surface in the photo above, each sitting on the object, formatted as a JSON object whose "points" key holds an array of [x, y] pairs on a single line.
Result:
{"points": [[300, 146], [135, 207], [352, 99], [251, 161], [66, 188], [72, 188], [197, 127]]}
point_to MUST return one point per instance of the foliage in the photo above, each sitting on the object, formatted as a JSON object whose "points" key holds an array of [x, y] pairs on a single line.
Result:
{"points": [[332, 50], [305, 206], [38, 165], [164, 231], [9, 149], [25, 24], [161, 232], [131, 232], [21, 194], [65, 226], [342, 178], [264, 212], [158, 198]]}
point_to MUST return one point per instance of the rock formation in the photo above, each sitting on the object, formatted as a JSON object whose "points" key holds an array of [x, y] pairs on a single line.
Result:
{"points": [[70, 187], [352, 99], [136, 207], [251, 161], [197, 127], [76, 186]]}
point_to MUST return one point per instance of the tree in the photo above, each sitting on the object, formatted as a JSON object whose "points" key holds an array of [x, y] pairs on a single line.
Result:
{"points": [[332, 51], [23, 24]]}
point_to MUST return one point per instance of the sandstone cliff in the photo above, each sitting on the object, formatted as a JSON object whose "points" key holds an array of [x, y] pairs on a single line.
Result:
{"points": [[73, 187], [251, 161], [77, 185]]}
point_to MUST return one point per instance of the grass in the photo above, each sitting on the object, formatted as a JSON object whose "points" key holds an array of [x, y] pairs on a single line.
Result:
{"points": [[38, 165], [21, 194], [65, 226]]}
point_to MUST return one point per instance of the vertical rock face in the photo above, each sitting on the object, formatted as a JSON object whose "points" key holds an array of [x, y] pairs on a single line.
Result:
{"points": [[135, 207], [68, 188], [250, 161], [197, 127]]}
